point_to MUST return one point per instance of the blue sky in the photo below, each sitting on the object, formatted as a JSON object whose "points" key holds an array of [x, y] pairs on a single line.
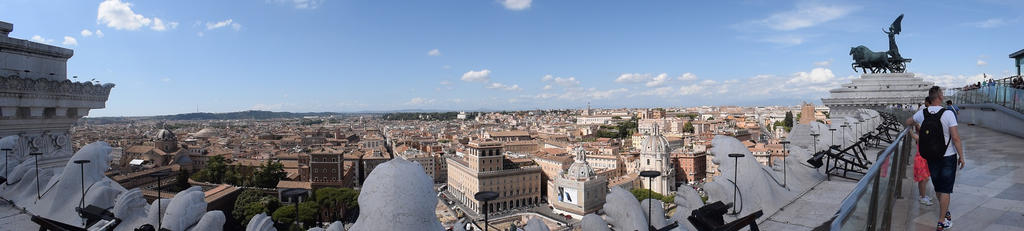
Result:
{"points": [[333, 55]]}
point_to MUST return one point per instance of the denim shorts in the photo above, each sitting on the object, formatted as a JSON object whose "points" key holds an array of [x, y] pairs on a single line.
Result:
{"points": [[943, 173]]}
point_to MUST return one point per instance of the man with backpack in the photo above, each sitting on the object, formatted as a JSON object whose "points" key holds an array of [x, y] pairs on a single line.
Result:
{"points": [[939, 144]]}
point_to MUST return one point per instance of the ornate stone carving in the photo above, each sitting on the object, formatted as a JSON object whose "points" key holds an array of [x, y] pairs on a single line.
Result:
{"points": [[87, 90]]}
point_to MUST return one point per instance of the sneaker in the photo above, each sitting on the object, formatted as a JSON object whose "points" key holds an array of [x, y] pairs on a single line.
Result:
{"points": [[949, 220], [926, 201], [942, 226]]}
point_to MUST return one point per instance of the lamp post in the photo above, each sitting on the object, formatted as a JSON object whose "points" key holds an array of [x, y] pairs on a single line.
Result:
{"points": [[486, 196], [844, 126], [650, 188], [815, 141], [295, 195], [785, 152], [735, 178], [81, 204], [35, 156], [833, 137], [159, 208], [7, 175]]}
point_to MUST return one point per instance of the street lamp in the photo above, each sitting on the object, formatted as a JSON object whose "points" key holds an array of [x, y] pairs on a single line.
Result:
{"points": [[35, 155], [833, 136], [81, 204], [486, 196], [7, 174], [159, 214], [815, 141], [295, 195], [844, 126], [785, 152], [735, 178], [650, 187]]}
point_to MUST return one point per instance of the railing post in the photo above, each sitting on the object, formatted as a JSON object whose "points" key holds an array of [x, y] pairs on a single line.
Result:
{"points": [[873, 204]]}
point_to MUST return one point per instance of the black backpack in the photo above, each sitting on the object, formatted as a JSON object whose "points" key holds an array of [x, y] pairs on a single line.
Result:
{"points": [[932, 142]]}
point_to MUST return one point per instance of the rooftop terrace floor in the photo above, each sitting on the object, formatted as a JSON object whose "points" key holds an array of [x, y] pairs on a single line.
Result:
{"points": [[988, 195], [989, 190]]}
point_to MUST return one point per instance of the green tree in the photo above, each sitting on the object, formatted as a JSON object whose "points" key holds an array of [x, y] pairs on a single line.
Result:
{"points": [[641, 195], [788, 122], [286, 214], [688, 127], [269, 175], [216, 166], [232, 177], [182, 179], [251, 202]]}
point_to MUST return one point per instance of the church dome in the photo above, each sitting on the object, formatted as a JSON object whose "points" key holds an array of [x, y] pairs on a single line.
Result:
{"points": [[165, 135], [580, 169], [654, 143], [207, 133]]}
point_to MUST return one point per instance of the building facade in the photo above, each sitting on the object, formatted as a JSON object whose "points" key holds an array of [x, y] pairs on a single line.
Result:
{"points": [[483, 168], [578, 190]]}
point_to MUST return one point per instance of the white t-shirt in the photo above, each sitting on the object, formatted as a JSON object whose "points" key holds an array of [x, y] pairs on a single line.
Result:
{"points": [[948, 120]]}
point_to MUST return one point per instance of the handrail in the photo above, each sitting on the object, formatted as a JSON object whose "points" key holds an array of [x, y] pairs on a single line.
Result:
{"points": [[862, 186]]}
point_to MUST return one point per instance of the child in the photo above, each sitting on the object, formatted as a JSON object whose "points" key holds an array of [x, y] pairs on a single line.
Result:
{"points": [[921, 175]]}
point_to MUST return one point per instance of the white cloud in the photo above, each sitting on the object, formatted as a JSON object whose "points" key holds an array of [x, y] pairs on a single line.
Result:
{"points": [[420, 101], [817, 75], [307, 4], [502, 86], [661, 91], [691, 89], [516, 4], [200, 34], [561, 81], [581, 94], [119, 15], [805, 15], [988, 23], [823, 63], [266, 107], [981, 63], [446, 67], [948, 80], [86, 33], [687, 76], [548, 87], [708, 82], [445, 82], [166, 80], [70, 41], [301, 4], [632, 78], [159, 25], [99, 34], [40, 39], [658, 80], [477, 76], [785, 40], [434, 52], [229, 22]]}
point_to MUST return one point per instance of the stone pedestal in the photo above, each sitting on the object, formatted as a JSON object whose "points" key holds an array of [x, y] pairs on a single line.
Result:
{"points": [[877, 91], [37, 101]]}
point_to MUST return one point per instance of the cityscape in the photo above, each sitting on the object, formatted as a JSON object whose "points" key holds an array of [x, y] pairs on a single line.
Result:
{"points": [[316, 115]]}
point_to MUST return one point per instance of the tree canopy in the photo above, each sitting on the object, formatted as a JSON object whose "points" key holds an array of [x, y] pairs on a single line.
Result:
{"points": [[251, 202], [641, 195]]}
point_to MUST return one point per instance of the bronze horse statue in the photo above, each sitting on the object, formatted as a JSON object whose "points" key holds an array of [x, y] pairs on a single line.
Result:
{"points": [[879, 62], [869, 60]]}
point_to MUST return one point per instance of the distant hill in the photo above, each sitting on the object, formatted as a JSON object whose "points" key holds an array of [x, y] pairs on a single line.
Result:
{"points": [[220, 116]]}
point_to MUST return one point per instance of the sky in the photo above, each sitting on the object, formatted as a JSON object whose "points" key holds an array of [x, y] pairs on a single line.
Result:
{"points": [[169, 57]]}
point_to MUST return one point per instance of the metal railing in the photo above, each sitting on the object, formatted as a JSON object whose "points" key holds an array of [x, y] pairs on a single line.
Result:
{"points": [[1005, 92], [869, 205]]}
